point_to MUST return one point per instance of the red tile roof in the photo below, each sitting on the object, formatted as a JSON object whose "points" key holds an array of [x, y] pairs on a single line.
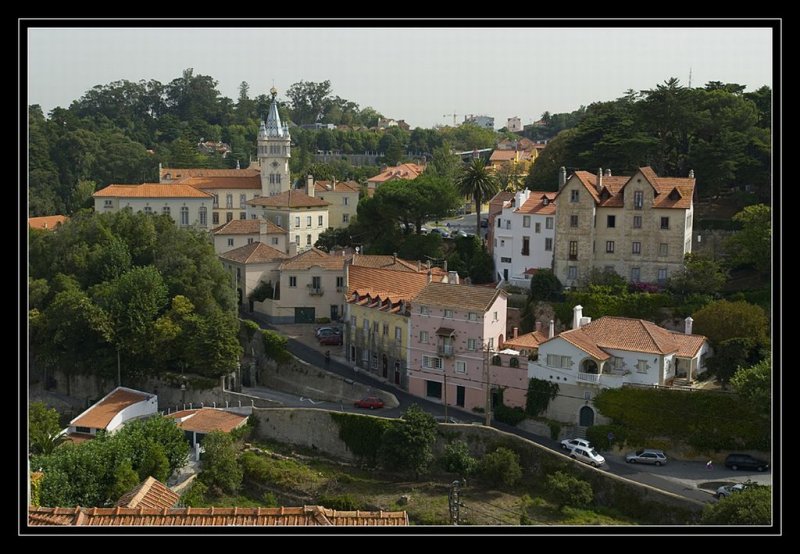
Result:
{"points": [[247, 227], [290, 199], [341, 186], [219, 182], [150, 493], [394, 263], [673, 192], [182, 173], [526, 341], [205, 420], [510, 155], [403, 171], [254, 253], [300, 516], [151, 190], [101, 414], [313, 257], [385, 283], [458, 297], [47, 221], [535, 204]]}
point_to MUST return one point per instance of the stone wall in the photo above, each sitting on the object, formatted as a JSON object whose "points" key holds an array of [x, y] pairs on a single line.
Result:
{"points": [[308, 427]]}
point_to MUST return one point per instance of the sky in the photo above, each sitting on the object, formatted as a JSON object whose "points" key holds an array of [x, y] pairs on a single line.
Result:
{"points": [[416, 74]]}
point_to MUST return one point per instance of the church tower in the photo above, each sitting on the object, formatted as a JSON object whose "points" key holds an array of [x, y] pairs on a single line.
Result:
{"points": [[273, 152]]}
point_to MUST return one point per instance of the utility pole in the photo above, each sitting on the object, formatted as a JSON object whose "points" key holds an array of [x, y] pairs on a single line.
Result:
{"points": [[454, 501], [488, 407]]}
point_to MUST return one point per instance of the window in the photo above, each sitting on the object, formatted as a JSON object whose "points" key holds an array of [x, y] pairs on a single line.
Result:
{"points": [[242, 215], [84, 430], [611, 221], [297, 221], [537, 227], [316, 282], [308, 221], [340, 282], [148, 210], [297, 239], [308, 240], [292, 281], [374, 361], [572, 272], [573, 250], [609, 247], [504, 260], [641, 366], [203, 212], [526, 221], [229, 201], [564, 362], [253, 216], [665, 223], [526, 246], [573, 196], [108, 203], [423, 337], [230, 242], [433, 389], [346, 200], [638, 200], [319, 221], [663, 249], [502, 242], [573, 221], [635, 274], [375, 327], [662, 275], [494, 316], [386, 329], [637, 222], [275, 240], [472, 344], [548, 245], [228, 217], [184, 215], [490, 343], [250, 240], [461, 367], [548, 223], [215, 218], [636, 248], [165, 210], [216, 201], [398, 334], [499, 222], [448, 314], [472, 316], [431, 362], [242, 200], [616, 362], [345, 218], [278, 220], [424, 310]]}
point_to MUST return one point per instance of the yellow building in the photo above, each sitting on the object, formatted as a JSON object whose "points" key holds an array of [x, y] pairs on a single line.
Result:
{"points": [[343, 199]]}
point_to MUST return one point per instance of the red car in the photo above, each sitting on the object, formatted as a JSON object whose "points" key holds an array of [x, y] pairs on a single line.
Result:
{"points": [[331, 340], [370, 402]]}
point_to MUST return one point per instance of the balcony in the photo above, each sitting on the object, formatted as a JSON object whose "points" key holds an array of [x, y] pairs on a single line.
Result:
{"points": [[572, 257], [588, 377], [315, 291], [340, 289], [445, 350]]}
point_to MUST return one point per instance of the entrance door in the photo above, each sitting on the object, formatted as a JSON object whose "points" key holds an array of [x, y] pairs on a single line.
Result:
{"points": [[397, 373], [334, 312], [304, 315], [505, 275], [586, 418], [460, 396], [385, 366]]}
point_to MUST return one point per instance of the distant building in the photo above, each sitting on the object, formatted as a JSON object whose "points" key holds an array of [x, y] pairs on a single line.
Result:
{"points": [[214, 147], [197, 423], [514, 125], [484, 121], [47, 222], [241, 232], [111, 412], [185, 204], [250, 264], [408, 171], [343, 199]]}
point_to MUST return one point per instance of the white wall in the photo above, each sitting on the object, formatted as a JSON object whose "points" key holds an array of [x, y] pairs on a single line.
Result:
{"points": [[145, 408], [157, 205]]}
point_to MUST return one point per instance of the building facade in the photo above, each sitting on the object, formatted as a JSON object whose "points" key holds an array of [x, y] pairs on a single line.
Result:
{"points": [[343, 199], [523, 236], [485, 121], [238, 233], [186, 205], [274, 151], [251, 264], [303, 216], [639, 226]]}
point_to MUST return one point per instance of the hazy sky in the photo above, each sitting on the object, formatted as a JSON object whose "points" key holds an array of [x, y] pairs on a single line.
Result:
{"points": [[414, 74]]}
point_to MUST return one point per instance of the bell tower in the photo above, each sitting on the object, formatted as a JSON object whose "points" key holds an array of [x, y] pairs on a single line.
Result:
{"points": [[273, 152]]}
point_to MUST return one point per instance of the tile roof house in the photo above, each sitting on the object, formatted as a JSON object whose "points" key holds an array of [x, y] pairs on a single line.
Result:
{"points": [[186, 205], [48, 222], [304, 216], [343, 197], [170, 174], [150, 494], [240, 232], [407, 171], [197, 423], [201, 517], [112, 411], [251, 264]]}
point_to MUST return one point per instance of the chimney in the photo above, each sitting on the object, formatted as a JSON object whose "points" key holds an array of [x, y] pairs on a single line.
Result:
{"points": [[237, 165], [687, 328], [445, 266], [430, 276], [159, 173], [394, 257], [577, 314], [599, 179], [419, 266], [552, 330], [310, 185], [262, 231], [562, 177], [691, 173], [333, 184], [452, 277], [514, 332], [538, 326], [608, 173]]}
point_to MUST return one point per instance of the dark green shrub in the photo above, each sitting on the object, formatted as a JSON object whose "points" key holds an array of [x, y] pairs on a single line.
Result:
{"points": [[501, 467], [456, 458], [568, 490]]}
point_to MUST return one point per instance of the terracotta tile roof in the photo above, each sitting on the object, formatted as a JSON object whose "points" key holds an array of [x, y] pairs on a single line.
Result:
{"points": [[341, 186], [459, 297], [526, 341], [182, 173], [254, 253], [250, 182], [633, 335], [402, 171], [150, 494], [290, 199], [247, 227], [509, 155], [313, 257], [385, 283], [101, 414], [206, 420], [535, 204], [47, 221], [285, 516], [673, 192], [497, 201], [151, 190], [391, 262]]}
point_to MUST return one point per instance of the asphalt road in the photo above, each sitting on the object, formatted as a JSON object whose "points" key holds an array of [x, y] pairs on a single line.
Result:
{"points": [[678, 477]]}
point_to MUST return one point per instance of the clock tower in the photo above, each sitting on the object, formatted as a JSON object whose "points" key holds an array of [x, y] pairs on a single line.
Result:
{"points": [[273, 152]]}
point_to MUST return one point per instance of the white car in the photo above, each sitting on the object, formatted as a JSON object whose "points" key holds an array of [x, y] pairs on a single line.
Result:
{"points": [[569, 444], [587, 456], [727, 490]]}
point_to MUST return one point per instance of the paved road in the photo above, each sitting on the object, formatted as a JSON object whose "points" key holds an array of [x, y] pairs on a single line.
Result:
{"points": [[677, 477]]}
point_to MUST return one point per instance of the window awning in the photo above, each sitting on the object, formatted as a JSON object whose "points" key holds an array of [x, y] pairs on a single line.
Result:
{"points": [[445, 332]]}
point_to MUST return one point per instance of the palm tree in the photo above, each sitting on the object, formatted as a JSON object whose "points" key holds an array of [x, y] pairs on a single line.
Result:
{"points": [[476, 181]]}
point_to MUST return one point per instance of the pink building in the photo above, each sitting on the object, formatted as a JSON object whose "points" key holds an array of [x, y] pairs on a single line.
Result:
{"points": [[508, 368], [454, 329]]}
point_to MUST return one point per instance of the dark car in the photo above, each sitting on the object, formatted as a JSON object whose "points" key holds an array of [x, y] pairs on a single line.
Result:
{"points": [[370, 402], [745, 461], [484, 223], [331, 340]]}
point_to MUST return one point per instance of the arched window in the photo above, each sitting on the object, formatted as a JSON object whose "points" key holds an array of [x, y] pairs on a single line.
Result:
{"points": [[513, 362], [496, 360]]}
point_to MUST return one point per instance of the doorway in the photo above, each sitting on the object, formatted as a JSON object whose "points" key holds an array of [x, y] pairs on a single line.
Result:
{"points": [[586, 417]]}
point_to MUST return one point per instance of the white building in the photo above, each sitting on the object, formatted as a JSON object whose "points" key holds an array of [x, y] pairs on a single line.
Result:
{"points": [[186, 205], [612, 352], [485, 121], [274, 151], [303, 216], [112, 411], [514, 125], [241, 232], [250, 264], [523, 236]]}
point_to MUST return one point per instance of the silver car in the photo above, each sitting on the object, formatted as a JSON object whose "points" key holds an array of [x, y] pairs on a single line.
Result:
{"points": [[647, 456], [569, 444], [587, 456], [727, 490]]}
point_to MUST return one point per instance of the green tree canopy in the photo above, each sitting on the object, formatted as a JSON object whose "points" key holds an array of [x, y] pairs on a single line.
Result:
{"points": [[221, 472], [752, 506], [475, 181], [43, 428], [408, 444], [751, 245], [754, 384], [723, 320]]}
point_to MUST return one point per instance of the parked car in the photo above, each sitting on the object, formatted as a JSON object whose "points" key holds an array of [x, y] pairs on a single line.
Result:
{"points": [[442, 419], [647, 456], [441, 232], [370, 402], [484, 223], [331, 340], [569, 444], [727, 490], [745, 461], [327, 331], [587, 455]]}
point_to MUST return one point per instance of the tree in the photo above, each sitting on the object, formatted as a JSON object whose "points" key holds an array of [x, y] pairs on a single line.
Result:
{"points": [[43, 428], [752, 506], [751, 245], [540, 393], [408, 444], [753, 383], [723, 320], [154, 463], [700, 276], [124, 480], [475, 181], [732, 354], [501, 467], [221, 472], [456, 458], [160, 431], [568, 490], [545, 286], [308, 100]]}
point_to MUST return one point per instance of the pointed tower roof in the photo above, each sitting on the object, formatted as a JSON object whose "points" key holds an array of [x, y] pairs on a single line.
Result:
{"points": [[273, 127]]}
